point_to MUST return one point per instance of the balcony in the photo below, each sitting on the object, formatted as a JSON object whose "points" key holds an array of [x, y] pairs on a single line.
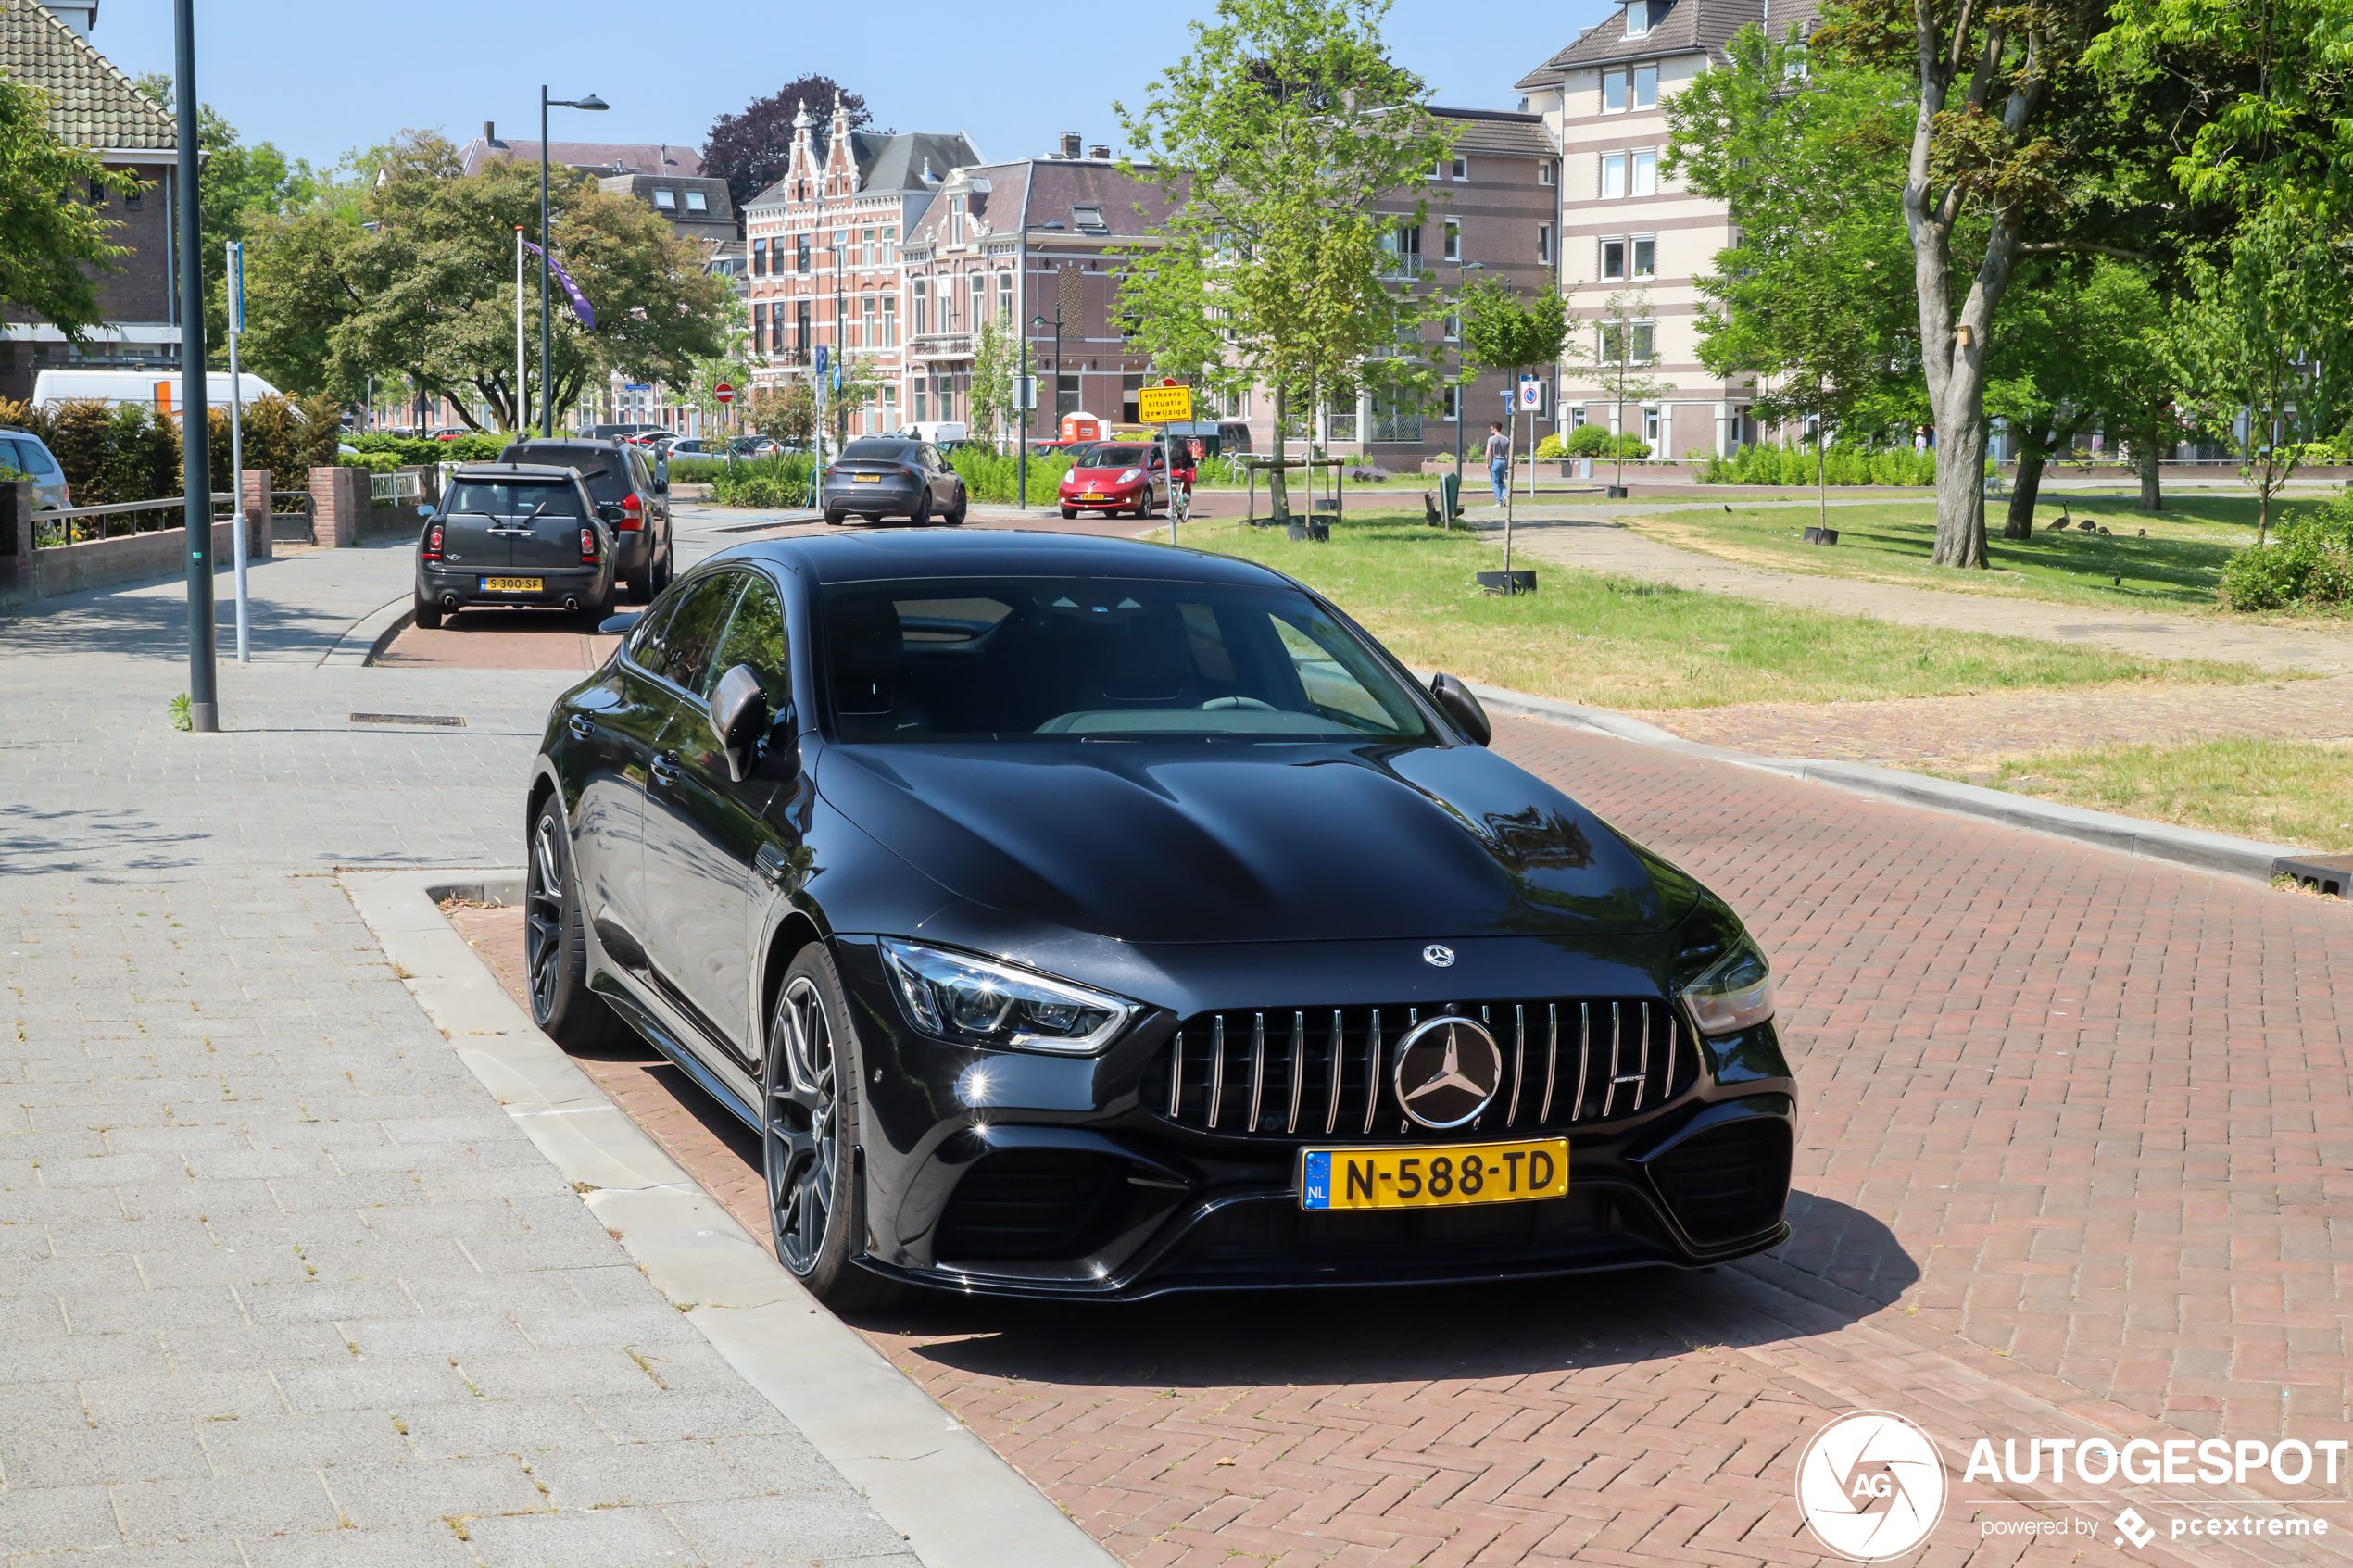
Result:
{"points": [[942, 346]]}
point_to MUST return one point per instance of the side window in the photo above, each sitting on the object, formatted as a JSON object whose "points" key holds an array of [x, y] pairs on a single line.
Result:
{"points": [[756, 636], [1326, 679], [931, 458], [682, 649]]}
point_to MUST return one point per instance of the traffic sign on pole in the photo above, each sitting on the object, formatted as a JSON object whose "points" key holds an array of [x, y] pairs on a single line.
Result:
{"points": [[1164, 405], [724, 393], [819, 359]]}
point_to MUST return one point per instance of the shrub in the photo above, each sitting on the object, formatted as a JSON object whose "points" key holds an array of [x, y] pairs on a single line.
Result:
{"points": [[2308, 565], [992, 476], [1550, 447], [772, 483], [1587, 441], [1842, 464], [374, 462]]}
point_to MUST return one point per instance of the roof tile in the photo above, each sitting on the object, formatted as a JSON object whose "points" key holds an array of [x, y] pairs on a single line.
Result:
{"points": [[92, 103]]}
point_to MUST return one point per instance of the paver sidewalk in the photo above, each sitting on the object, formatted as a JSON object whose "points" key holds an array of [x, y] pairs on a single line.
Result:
{"points": [[1584, 537], [281, 1283]]}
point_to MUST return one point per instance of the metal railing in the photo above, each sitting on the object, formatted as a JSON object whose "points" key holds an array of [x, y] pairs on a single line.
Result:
{"points": [[60, 525]]}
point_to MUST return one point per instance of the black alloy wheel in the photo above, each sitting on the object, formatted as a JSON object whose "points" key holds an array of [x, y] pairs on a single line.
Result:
{"points": [[428, 614], [809, 1133], [921, 516], [555, 949], [955, 516]]}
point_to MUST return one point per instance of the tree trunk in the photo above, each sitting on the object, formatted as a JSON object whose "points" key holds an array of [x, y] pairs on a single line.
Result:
{"points": [[2019, 524], [2152, 501], [1277, 492], [1512, 431], [1960, 479]]}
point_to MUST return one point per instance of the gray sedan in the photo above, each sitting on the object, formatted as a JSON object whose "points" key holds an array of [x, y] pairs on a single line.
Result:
{"points": [[892, 476]]}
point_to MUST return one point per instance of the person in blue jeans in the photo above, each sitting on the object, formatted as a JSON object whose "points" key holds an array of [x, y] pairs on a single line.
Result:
{"points": [[1499, 460]]}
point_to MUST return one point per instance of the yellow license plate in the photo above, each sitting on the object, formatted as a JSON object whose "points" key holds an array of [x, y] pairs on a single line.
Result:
{"points": [[1433, 1175], [865, 479], [513, 584], [1091, 495]]}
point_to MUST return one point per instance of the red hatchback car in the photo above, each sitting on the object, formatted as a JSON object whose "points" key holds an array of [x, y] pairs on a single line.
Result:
{"points": [[1116, 476]]}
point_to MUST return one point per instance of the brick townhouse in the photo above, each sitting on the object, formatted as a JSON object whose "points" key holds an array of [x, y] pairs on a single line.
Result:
{"points": [[825, 246], [1027, 241], [1624, 225], [92, 105]]}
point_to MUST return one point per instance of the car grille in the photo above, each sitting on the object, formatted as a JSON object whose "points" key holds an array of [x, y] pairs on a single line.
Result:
{"points": [[1728, 1182], [1025, 1203], [1324, 1071]]}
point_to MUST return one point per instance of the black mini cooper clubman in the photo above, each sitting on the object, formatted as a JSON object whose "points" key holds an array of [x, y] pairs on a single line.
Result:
{"points": [[1082, 918]]}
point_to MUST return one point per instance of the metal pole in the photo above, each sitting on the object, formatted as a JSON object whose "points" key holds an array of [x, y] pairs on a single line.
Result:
{"points": [[523, 400], [236, 299], [195, 448], [1020, 436], [546, 347]]}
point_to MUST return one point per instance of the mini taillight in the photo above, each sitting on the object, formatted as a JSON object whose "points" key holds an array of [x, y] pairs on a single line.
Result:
{"points": [[587, 547], [432, 542], [633, 511]]}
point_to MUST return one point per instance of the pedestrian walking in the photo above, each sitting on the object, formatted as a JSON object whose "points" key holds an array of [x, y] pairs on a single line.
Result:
{"points": [[1499, 459]]}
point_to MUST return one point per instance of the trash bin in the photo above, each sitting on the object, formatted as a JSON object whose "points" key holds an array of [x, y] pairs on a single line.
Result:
{"points": [[1450, 491]]}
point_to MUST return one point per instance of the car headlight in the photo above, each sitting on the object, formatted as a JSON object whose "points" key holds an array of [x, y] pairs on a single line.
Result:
{"points": [[1733, 993], [1130, 477], [981, 1002]]}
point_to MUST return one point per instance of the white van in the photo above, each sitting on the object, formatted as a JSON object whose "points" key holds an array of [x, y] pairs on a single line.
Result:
{"points": [[114, 387], [940, 433]]}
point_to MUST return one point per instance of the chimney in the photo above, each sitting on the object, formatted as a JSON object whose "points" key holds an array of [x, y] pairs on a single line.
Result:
{"points": [[489, 132], [1070, 144], [1099, 151]]}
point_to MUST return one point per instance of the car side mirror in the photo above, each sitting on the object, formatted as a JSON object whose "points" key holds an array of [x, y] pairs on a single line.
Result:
{"points": [[1454, 700], [747, 729], [618, 626]]}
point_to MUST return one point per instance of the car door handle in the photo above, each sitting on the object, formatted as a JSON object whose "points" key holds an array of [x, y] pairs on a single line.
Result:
{"points": [[582, 726], [665, 767]]}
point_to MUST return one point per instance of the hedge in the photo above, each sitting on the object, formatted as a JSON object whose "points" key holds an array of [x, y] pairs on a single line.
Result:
{"points": [[776, 482], [125, 453], [1842, 465], [480, 447], [991, 476]]}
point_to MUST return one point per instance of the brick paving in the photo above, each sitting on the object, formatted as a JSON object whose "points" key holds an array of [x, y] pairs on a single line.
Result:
{"points": [[2074, 1162]]}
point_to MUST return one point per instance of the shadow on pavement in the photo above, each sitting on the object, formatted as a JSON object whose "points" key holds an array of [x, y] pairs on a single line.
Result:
{"points": [[35, 842]]}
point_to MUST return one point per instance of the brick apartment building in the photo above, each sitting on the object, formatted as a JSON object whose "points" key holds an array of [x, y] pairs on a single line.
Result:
{"points": [[1027, 242], [1624, 225], [92, 105], [825, 246]]}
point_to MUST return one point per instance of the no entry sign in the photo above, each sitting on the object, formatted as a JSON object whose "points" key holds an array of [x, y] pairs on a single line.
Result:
{"points": [[724, 393]]}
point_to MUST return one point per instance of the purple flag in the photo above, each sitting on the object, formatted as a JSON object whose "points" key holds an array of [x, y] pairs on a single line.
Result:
{"points": [[580, 306]]}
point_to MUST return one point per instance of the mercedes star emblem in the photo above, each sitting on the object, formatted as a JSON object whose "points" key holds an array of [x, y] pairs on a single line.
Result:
{"points": [[1448, 1068], [1438, 956]]}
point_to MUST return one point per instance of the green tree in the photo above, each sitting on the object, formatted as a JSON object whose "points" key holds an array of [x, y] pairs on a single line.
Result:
{"points": [[52, 244], [990, 396], [1503, 332], [785, 413], [2268, 339], [1276, 139], [1625, 345]]}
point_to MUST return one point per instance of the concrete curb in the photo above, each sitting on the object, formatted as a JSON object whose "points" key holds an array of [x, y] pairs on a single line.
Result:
{"points": [[371, 634], [956, 1501], [2130, 835]]}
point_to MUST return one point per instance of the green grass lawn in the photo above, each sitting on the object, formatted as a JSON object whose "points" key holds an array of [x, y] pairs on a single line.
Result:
{"points": [[2294, 793], [2165, 560], [1614, 642]]}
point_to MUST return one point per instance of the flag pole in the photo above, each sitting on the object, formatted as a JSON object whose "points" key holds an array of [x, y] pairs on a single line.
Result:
{"points": [[522, 402]]}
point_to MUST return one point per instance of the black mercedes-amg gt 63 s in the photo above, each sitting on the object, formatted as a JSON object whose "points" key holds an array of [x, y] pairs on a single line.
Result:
{"points": [[1080, 918]]}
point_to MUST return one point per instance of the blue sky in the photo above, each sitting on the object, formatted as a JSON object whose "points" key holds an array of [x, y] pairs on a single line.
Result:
{"points": [[317, 78]]}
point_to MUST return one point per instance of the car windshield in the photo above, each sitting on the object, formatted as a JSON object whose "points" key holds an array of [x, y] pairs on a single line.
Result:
{"points": [[513, 499], [1043, 658], [1115, 458], [878, 451]]}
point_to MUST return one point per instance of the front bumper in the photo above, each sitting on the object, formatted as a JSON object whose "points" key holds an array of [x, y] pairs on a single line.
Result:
{"points": [[1026, 1175]]}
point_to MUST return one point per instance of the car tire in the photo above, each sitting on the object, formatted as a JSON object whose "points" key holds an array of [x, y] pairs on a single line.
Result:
{"points": [[921, 516], [811, 1113], [1144, 505], [428, 615], [1070, 511], [669, 567], [834, 520], [955, 517], [641, 587], [556, 945]]}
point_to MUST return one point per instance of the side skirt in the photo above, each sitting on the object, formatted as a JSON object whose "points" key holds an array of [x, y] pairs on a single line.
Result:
{"points": [[642, 1020]]}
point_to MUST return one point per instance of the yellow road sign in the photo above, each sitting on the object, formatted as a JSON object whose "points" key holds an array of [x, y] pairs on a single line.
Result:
{"points": [[1164, 405]]}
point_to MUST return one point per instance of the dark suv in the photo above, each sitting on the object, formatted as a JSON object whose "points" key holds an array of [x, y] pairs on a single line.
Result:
{"points": [[619, 475], [516, 533]]}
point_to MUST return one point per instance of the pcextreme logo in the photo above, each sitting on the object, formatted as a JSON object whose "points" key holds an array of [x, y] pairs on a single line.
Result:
{"points": [[1871, 1485]]}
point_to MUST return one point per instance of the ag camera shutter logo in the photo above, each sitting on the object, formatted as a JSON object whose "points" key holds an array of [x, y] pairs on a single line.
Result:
{"points": [[1871, 1485]]}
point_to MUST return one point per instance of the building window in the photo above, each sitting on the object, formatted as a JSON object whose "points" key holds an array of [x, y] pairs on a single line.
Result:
{"points": [[1461, 169], [801, 254], [1237, 406], [955, 220], [1612, 175], [760, 258], [697, 202], [665, 199], [1453, 404], [1005, 297], [1089, 220], [1453, 329], [890, 320], [980, 299], [1065, 395], [841, 249], [1616, 335], [923, 401], [1647, 259], [1453, 239], [1646, 174], [886, 255], [1644, 14], [1402, 247], [1634, 88], [1613, 258], [922, 312], [1396, 417], [800, 328], [1543, 172], [1544, 242], [841, 322], [1650, 423], [869, 323], [867, 254], [759, 325]]}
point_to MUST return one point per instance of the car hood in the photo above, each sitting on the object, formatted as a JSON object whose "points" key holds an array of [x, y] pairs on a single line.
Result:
{"points": [[1232, 842]]}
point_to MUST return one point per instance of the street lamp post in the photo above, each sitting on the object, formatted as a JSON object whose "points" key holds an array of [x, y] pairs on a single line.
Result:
{"points": [[546, 332]]}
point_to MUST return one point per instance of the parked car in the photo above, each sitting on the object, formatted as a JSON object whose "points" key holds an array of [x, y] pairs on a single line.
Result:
{"points": [[449, 432], [26, 453], [1015, 1011], [697, 447], [939, 433], [1115, 476], [619, 475], [889, 475], [515, 533], [754, 446]]}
